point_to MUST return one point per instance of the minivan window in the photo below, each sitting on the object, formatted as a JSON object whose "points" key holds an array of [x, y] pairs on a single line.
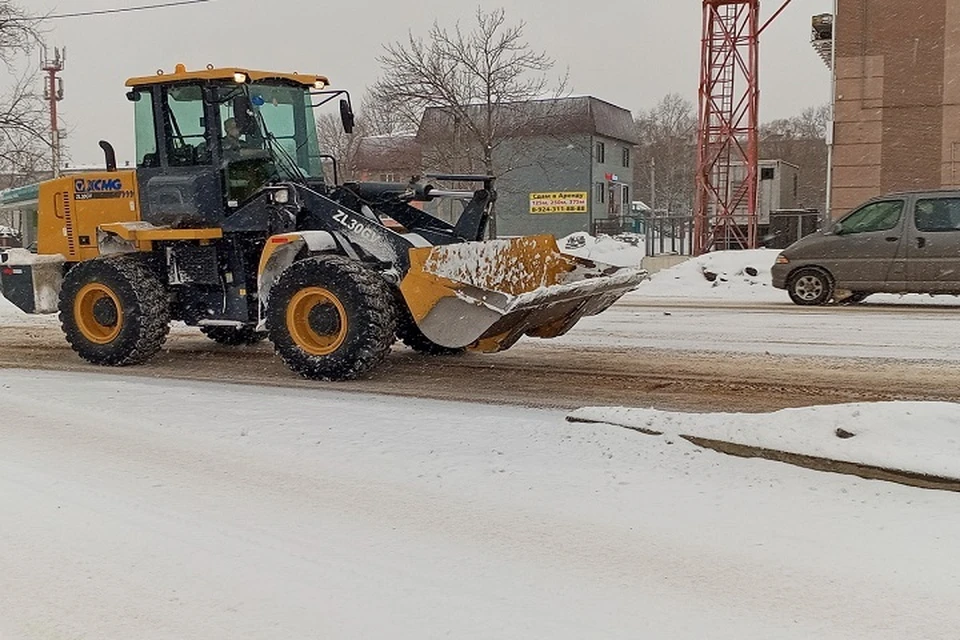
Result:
{"points": [[937, 214], [877, 216]]}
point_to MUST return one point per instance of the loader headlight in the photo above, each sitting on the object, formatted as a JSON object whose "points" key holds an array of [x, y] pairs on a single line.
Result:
{"points": [[240, 77], [782, 259], [281, 196], [319, 85]]}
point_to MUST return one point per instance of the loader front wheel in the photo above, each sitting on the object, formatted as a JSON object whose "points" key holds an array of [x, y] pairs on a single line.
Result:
{"points": [[331, 318], [233, 336], [114, 311]]}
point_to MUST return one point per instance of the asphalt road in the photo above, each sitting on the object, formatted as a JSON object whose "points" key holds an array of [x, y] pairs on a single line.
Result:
{"points": [[586, 368]]}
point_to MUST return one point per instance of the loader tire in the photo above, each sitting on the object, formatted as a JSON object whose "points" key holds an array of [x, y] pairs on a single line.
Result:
{"points": [[114, 311], [331, 318], [409, 334], [234, 336]]}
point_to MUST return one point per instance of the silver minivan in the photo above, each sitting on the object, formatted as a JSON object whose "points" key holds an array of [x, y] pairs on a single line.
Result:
{"points": [[899, 243]]}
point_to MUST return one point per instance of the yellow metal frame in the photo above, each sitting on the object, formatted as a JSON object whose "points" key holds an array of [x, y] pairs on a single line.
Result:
{"points": [[181, 74], [136, 233]]}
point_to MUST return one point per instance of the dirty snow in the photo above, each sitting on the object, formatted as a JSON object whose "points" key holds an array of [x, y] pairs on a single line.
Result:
{"points": [[625, 250], [729, 275], [162, 509], [11, 315], [920, 437], [744, 276]]}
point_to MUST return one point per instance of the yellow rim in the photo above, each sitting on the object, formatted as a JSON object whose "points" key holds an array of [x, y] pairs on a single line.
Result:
{"points": [[303, 303], [83, 312]]}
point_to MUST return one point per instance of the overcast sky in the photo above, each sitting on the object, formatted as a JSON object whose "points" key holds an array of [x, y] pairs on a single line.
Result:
{"points": [[629, 52]]}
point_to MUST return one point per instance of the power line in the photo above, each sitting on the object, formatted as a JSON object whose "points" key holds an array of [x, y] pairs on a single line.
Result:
{"points": [[101, 12]]}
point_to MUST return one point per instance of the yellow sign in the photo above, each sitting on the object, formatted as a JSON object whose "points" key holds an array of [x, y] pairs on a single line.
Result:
{"points": [[558, 202]]}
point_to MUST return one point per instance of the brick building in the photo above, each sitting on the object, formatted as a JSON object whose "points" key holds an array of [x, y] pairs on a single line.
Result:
{"points": [[897, 98]]}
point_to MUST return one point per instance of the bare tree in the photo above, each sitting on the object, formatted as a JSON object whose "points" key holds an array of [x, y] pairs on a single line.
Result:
{"points": [[801, 140], [24, 141], [666, 156], [339, 144], [475, 84], [23, 126]]}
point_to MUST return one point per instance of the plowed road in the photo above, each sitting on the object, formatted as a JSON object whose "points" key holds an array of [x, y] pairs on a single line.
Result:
{"points": [[672, 355]]}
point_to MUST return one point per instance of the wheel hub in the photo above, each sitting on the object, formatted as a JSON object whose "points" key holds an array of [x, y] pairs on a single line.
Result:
{"points": [[105, 312], [809, 287], [97, 313], [324, 319], [317, 321]]}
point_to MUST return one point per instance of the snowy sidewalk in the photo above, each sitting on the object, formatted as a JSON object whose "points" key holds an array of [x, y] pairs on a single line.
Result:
{"points": [[913, 443], [160, 509]]}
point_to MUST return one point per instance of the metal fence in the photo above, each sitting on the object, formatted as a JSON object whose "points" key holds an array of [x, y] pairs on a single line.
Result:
{"points": [[664, 233]]}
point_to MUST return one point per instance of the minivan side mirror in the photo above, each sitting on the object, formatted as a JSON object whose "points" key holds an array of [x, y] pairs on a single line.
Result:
{"points": [[837, 229]]}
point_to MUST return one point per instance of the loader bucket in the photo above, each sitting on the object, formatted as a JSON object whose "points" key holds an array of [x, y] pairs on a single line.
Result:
{"points": [[487, 295]]}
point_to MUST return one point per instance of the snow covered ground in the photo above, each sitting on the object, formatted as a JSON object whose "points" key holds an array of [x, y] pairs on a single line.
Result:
{"points": [[10, 315], [160, 509], [626, 250], [918, 437], [744, 276]]}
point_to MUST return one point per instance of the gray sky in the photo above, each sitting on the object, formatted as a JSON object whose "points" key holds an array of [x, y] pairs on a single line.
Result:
{"points": [[629, 52]]}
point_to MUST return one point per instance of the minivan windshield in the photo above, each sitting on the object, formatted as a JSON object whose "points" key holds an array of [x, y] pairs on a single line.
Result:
{"points": [[876, 216]]}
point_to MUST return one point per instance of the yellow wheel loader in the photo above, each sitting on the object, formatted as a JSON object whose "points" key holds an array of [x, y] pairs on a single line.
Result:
{"points": [[227, 224]]}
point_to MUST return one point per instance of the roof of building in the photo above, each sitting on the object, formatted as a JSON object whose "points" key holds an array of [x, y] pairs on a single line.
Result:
{"points": [[180, 74], [550, 116]]}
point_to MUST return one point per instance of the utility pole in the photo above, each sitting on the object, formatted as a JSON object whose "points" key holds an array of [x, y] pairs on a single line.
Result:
{"points": [[653, 184], [53, 93]]}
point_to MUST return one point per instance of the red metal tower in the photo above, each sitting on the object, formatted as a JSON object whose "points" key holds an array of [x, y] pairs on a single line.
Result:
{"points": [[726, 207], [53, 93]]}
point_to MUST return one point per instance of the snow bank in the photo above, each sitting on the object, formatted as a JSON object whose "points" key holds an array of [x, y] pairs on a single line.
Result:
{"points": [[918, 437], [624, 250], [732, 275], [11, 315], [744, 276]]}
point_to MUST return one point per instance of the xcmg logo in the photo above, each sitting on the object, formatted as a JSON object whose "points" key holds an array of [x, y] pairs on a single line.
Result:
{"points": [[85, 186]]}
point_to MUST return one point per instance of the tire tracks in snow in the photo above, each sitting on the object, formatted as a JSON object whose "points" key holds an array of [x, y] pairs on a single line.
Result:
{"points": [[540, 374]]}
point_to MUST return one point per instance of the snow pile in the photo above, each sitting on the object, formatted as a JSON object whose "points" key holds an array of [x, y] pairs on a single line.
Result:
{"points": [[721, 274], [918, 437], [623, 250], [11, 315]]}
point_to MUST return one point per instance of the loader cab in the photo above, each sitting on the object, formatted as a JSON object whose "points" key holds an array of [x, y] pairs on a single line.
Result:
{"points": [[208, 142]]}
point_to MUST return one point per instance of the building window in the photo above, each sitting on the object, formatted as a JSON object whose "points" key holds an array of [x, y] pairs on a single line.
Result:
{"points": [[626, 156], [599, 190], [626, 198], [767, 173], [601, 153]]}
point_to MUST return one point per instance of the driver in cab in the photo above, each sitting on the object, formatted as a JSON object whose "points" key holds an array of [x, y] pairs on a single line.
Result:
{"points": [[231, 143]]}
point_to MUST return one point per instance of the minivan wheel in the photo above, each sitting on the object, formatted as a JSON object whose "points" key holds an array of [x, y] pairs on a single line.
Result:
{"points": [[810, 286]]}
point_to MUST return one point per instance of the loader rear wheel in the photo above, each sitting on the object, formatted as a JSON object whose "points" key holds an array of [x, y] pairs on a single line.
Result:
{"points": [[331, 318], [409, 334], [114, 311], [234, 336]]}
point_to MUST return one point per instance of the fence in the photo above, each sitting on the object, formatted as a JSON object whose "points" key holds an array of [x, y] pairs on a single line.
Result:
{"points": [[664, 233]]}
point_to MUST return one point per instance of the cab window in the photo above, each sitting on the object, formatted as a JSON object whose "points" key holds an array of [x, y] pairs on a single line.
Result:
{"points": [[877, 216], [145, 131], [937, 214], [184, 129]]}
